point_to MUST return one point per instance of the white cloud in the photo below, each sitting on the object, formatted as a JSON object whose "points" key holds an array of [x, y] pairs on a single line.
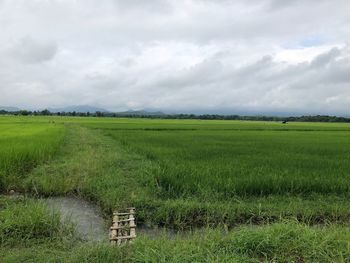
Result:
{"points": [[176, 55]]}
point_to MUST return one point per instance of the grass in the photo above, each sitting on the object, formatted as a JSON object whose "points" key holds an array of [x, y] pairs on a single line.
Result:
{"points": [[92, 166], [280, 192], [222, 164], [23, 146], [26, 221], [48, 241], [290, 242], [97, 167]]}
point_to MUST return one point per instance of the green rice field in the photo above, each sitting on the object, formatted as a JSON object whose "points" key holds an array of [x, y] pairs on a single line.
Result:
{"points": [[225, 163], [240, 191], [25, 145]]}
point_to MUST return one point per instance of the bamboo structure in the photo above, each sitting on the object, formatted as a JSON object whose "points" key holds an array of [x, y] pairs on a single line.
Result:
{"points": [[123, 229]]}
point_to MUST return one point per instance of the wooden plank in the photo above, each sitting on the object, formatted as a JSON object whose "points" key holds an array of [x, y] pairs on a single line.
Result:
{"points": [[124, 237], [125, 220], [123, 227], [121, 214], [114, 233], [120, 227], [133, 232], [132, 225]]}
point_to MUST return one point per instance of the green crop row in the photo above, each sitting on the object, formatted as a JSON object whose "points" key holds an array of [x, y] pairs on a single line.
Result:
{"points": [[24, 145], [222, 164]]}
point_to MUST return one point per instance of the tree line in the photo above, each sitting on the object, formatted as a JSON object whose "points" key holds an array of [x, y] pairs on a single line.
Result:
{"points": [[311, 118]]}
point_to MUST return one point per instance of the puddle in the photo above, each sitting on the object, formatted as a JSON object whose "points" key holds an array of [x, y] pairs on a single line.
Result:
{"points": [[90, 224], [87, 217]]}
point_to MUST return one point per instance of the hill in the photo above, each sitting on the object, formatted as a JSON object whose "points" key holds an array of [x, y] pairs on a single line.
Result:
{"points": [[10, 109], [78, 108]]}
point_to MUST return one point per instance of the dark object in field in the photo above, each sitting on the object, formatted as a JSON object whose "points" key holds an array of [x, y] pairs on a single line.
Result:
{"points": [[284, 122], [123, 227]]}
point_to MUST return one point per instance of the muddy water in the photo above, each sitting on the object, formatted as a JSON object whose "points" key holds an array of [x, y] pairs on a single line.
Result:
{"points": [[87, 217], [90, 224]]}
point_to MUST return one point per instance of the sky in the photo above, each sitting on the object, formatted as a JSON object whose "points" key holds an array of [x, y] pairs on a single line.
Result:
{"points": [[205, 56]]}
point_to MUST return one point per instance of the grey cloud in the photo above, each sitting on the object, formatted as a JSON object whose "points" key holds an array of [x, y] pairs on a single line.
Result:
{"points": [[278, 4], [32, 51], [338, 72], [185, 54], [162, 6], [264, 84], [202, 73], [325, 58], [184, 20]]}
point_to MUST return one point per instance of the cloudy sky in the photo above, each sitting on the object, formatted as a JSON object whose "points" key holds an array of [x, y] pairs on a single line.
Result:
{"points": [[177, 55]]}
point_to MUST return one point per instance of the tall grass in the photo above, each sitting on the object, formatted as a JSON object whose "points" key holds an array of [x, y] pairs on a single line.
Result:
{"points": [[222, 164], [99, 168], [282, 242], [23, 145], [26, 221]]}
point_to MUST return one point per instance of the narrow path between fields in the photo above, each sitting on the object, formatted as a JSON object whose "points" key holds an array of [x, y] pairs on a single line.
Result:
{"points": [[90, 163]]}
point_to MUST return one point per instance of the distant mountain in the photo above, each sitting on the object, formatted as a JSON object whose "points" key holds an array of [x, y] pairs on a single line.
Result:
{"points": [[140, 112], [79, 108], [9, 108]]}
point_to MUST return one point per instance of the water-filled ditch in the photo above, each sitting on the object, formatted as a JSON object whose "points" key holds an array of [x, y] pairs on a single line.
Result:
{"points": [[90, 223]]}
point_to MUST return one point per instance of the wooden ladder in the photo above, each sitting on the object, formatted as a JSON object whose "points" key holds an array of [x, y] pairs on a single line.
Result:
{"points": [[123, 229]]}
